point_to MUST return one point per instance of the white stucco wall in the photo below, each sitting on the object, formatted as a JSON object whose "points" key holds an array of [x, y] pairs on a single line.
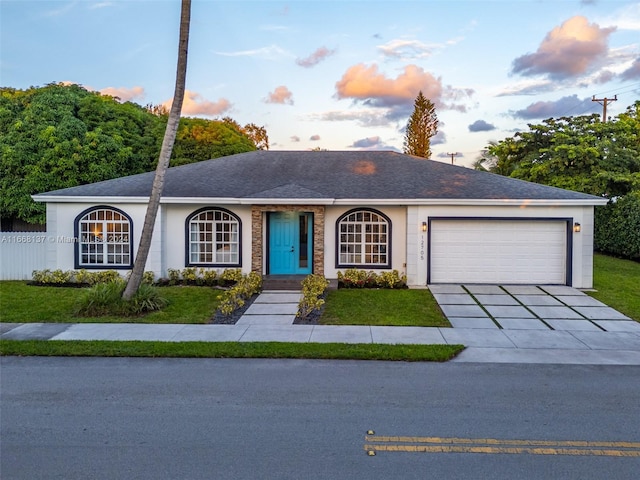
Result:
{"points": [[408, 249], [174, 234], [582, 242], [61, 241], [398, 218]]}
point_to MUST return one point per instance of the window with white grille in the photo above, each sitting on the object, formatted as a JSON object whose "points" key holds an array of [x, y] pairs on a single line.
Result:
{"points": [[364, 239], [214, 238], [104, 239]]}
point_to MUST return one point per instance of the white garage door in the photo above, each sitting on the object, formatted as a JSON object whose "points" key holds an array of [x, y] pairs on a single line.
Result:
{"points": [[498, 251]]}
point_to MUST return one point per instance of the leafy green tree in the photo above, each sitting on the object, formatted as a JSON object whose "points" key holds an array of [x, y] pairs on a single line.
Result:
{"points": [[258, 135], [60, 136], [200, 139], [422, 125], [577, 153]]}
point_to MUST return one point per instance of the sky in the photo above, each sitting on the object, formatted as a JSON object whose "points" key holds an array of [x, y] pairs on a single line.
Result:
{"points": [[336, 74]]}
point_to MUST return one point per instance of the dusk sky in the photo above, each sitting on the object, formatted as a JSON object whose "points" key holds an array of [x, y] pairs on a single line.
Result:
{"points": [[340, 75]]}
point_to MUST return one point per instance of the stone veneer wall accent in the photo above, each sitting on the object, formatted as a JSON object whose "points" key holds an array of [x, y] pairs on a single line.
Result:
{"points": [[257, 247]]}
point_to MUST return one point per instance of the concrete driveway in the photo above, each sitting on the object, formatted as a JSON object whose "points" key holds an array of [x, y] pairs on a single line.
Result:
{"points": [[528, 307]]}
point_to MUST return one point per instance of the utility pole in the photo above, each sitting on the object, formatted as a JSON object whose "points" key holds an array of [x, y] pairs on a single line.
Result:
{"points": [[604, 102], [452, 155]]}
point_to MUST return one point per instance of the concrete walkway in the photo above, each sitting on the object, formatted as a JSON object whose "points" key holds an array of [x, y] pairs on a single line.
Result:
{"points": [[535, 329]]}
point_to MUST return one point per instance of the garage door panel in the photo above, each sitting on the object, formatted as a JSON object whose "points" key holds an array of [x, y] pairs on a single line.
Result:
{"points": [[498, 251]]}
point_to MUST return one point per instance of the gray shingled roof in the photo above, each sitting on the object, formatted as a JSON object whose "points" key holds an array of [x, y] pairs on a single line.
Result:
{"points": [[331, 175]]}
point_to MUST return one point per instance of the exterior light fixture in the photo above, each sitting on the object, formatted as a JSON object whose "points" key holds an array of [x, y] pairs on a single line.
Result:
{"points": [[424, 226], [577, 227]]}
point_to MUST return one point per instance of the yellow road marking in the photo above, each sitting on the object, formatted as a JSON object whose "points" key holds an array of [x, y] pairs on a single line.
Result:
{"points": [[498, 446], [495, 441]]}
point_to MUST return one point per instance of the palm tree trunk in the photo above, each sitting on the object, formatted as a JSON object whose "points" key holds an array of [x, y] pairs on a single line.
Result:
{"points": [[165, 155]]}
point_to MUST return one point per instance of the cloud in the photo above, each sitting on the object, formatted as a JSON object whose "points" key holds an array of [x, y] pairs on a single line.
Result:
{"points": [[272, 52], [315, 58], [625, 18], [367, 85], [481, 126], [60, 11], [365, 118], [558, 108], [439, 138], [399, 48], [123, 93], [294, 138], [314, 138], [570, 50], [372, 143], [281, 95], [367, 142], [633, 72], [195, 104], [96, 5]]}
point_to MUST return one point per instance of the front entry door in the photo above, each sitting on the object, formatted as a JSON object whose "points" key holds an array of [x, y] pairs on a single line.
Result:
{"points": [[290, 235]]}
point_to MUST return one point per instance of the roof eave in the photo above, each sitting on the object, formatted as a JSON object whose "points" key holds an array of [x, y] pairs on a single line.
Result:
{"points": [[324, 201]]}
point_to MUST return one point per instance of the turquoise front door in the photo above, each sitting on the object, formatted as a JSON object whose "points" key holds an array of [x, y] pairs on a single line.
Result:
{"points": [[290, 245]]}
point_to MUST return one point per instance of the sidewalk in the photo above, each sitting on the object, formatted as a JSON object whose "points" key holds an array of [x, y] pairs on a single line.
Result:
{"points": [[270, 319]]}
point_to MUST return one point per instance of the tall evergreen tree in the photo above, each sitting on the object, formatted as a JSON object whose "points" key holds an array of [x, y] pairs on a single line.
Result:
{"points": [[422, 125]]}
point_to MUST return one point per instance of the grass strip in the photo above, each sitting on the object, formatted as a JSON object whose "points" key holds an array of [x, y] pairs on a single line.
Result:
{"points": [[617, 283], [383, 307], [341, 351]]}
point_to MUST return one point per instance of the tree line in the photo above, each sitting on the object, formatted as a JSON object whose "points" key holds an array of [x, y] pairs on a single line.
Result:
{"points": [[60, 136], [583, 154]]}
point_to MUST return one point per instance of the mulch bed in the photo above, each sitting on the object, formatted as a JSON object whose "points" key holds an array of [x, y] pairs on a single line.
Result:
{"points": [[313, 318], [221, 319]]}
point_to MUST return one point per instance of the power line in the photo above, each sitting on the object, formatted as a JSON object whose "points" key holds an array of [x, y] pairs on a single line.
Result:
{"points": [[452, 155]]}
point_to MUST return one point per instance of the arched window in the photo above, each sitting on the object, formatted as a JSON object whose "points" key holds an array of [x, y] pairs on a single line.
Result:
{"points": [[364, 239], [104, 238], [213, 238]]}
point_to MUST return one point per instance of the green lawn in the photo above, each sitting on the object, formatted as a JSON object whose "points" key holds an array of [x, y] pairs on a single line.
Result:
{"points": [[343, 351], [23, 303], [383, 307], [617, 283]]}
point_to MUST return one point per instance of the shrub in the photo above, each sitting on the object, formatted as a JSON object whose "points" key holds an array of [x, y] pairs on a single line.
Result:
{"points": [[617, 227], [391, 280], [148, 278], [236, 297], [230, 276], [354, 278], [174, 276], [101, 299], [106, 299], [147, 299], [209, 277], [313, 287], [190, 276], [80, 277]]}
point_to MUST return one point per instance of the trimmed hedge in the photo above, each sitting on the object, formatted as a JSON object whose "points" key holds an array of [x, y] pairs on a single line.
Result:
{"points": [[617, 227]]}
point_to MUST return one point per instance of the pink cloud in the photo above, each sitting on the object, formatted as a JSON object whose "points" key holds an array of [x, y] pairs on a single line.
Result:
{"points": [[123, 93], [281, 95], [316, 57], [366, 83], [567, 51], [195, 104]]}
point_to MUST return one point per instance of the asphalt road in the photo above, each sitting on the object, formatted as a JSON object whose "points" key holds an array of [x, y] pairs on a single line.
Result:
{"points": [[109, 418]]}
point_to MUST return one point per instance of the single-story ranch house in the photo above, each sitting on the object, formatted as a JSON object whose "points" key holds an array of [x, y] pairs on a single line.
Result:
{"points": [[287, 212]]}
